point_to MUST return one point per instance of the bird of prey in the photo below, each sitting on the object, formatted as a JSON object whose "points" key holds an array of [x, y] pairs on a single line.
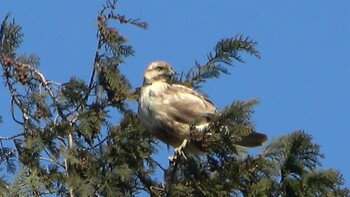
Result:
{"points": [[168, 110]]}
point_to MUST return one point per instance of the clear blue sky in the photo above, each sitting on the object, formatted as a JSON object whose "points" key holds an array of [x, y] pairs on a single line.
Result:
{"points": [[302, 78]]}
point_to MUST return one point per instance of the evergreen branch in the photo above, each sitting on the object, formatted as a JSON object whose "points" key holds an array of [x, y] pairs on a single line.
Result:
{"points": [[15, 101], [225, 52], [121, 162], [295, 153], [10, 37], [41, 79], [47, 159], [23, 70], [95, 67], [109, 39], [122, 19], [229, 48], [8, 154], [52, 159], [3, 27], [98, 144], [111, 5]]}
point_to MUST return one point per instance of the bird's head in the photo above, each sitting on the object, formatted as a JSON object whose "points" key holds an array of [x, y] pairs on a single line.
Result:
{"points": [[158, 71]]}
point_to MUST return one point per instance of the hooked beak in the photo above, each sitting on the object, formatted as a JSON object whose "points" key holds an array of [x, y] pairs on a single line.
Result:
{"points": [[172, 73]]}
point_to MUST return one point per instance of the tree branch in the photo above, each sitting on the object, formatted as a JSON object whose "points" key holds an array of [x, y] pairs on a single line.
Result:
{"points": [[12, 137]]}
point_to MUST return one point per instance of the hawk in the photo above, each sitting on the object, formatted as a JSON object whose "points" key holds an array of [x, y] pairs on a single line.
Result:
{"points": [[168, 110]]}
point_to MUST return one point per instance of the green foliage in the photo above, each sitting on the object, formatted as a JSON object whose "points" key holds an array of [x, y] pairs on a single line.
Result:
{"points": [[114, 84], [229, 126], [73, 92], [296, 159], [10, 37], [262, 175], [226, 52], [295, 154], [71, 144]]}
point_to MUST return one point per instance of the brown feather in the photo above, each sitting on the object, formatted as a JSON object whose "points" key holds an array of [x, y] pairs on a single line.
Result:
{"points": [[168, 109], [187, 106]]}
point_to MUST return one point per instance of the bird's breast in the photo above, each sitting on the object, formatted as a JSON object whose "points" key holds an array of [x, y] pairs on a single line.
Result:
{"points": [[152, 95], [151, 103]]}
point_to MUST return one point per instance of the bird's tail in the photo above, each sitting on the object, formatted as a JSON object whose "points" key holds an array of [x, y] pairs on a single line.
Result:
{"points": [[254, 139]]}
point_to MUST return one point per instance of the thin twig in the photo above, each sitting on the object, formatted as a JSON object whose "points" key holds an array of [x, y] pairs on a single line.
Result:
{"points": [[43, 81], [12, 137], [13, 111], [54, 160], [46, 159], [48, 89], [98, 144]]}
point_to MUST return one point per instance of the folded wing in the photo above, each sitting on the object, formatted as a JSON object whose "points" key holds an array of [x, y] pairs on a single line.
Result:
{"points": [[186, 106]]}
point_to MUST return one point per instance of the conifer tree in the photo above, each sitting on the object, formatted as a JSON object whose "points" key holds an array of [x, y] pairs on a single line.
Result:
{"points": [[68, 146]]}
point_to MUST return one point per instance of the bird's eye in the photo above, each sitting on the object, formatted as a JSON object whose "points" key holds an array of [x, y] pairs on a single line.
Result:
{"points": [[158, 69]]}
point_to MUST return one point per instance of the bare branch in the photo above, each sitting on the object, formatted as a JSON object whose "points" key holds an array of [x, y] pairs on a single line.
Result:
{"points": [[12, 137]]}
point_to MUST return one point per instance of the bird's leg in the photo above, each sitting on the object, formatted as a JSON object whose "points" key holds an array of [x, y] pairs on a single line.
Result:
{"points": [[179, 151]]}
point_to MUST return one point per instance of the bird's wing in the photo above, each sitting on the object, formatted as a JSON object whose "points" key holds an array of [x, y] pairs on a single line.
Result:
{"points": [[185, 105]]}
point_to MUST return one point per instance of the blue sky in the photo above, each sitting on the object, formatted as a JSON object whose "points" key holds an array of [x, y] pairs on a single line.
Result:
{"points": [[302, 78]]}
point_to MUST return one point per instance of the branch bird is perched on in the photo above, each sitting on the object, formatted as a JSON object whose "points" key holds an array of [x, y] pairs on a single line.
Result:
{"points": [[168, 110]]}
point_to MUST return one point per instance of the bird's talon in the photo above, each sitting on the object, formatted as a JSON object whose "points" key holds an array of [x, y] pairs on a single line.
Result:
{"points": [[179, 151], [172, 158]]}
